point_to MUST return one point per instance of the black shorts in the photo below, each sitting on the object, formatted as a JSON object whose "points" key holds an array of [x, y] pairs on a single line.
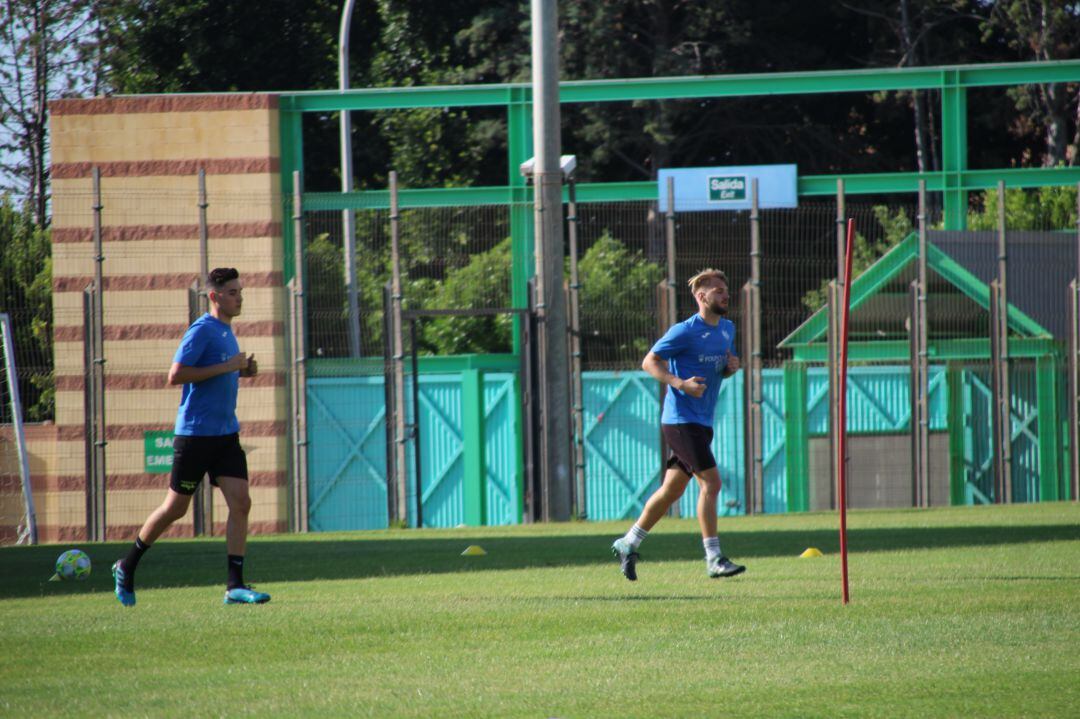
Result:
{"points": [[195, 456], [690, 446]]}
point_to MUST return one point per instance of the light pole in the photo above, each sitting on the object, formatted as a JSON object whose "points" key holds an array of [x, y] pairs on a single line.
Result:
{"points": [[348, 228]]}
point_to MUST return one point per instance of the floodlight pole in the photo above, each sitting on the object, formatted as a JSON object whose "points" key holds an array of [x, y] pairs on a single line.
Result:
{"points": [[555, 442], [348, 229]]}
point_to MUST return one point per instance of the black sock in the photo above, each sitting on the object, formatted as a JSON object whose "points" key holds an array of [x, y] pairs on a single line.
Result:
{"points": [[131, 561], [236, 571]]}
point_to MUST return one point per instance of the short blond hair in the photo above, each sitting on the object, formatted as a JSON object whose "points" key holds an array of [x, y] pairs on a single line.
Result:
{"points": [[703, 277]]}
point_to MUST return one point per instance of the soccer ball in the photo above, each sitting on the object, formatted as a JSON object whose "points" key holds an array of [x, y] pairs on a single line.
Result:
{"points": [[73, 564]]}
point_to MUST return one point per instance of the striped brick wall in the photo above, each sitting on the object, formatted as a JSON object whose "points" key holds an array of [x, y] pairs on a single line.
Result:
{"points": [[149, 150]]}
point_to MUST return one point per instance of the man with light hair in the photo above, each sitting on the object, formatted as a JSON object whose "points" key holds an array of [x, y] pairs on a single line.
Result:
{"points": [[692, 358]]}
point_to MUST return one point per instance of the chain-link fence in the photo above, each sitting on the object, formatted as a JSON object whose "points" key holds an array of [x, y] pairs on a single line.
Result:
{"points": [[93, 364], [100, 450]]}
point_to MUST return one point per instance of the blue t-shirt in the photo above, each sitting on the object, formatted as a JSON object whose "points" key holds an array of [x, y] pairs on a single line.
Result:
{"points": [[208, 408], [694, 348]]}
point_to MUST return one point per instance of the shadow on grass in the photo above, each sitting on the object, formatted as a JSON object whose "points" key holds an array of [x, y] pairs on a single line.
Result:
{"points": [[24, 571]]}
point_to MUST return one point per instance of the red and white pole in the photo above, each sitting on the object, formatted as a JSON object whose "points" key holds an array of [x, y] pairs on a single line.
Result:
{"points": [[842, 419]]}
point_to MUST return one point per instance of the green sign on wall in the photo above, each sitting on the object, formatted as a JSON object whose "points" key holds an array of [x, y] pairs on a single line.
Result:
{"points": [[727, 189], [158, 446]]}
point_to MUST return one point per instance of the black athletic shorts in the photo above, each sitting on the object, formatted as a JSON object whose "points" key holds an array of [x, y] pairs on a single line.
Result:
{"points": [[195, 456], [690, 447]]}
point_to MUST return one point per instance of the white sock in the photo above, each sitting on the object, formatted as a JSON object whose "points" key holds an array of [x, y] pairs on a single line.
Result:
{"points": [[712, 548], [635, 536]]}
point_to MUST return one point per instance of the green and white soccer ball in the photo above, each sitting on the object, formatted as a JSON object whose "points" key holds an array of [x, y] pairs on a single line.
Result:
{"points": [[73, 564]]}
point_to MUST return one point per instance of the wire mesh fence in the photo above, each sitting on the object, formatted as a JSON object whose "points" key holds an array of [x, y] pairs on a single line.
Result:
{"points": [[463, 258]]}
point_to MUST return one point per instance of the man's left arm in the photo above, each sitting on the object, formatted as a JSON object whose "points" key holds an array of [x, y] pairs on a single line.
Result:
{"points": [[732, 365], [732, 358]]}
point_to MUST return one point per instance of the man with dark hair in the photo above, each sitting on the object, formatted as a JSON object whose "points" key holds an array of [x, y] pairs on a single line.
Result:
{"points": [[209, 365], [692, 358]]}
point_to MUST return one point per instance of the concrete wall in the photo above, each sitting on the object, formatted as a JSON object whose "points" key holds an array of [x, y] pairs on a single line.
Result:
{"points": [[879, 471]]}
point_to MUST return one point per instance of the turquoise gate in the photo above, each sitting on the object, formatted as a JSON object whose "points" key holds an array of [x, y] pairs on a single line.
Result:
{"points": [[347, 441], [347, 469]]}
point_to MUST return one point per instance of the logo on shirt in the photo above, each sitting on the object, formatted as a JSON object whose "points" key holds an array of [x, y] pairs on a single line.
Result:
{"points": [[706, 335], [224, 333]]}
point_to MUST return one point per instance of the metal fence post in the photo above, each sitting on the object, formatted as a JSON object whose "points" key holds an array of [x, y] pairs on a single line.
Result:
{"points": [[999, 427], [89, 412], [920, 369], [98, 370], [203, 501], [199, 514], [751, 319], [389, 366], [300, 361], [400, 437], [1004, 399], [28, 533], [414, 426], [833, 373], [1074, 386], [577, 399], [671, 313]]}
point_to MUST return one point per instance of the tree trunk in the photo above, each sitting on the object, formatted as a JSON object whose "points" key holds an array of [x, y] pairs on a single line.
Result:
{"points": [[1073, 159], [660, 135], [36, 123], [1053, 101], [918, 97]]}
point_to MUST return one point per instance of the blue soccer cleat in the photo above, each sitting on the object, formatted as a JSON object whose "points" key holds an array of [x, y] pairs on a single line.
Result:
{"points": [[245, 595], [124, 595]]}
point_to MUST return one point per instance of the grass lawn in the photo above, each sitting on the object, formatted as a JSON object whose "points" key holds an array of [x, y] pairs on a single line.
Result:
{"points": [[966, 612]]}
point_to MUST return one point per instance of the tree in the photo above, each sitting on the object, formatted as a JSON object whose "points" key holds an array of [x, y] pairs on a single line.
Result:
{"points": [[47, 50], [911, 33], [226, 45], [865, 252], [1047, 208], [618, 287], [483, 282], [1043, 30], [26, 295]]}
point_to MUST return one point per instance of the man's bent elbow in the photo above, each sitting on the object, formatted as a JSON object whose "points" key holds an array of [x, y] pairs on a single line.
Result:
{"points": [[174, 372]]}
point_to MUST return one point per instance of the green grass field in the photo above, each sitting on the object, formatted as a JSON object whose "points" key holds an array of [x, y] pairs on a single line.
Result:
{"points": [[962, 612]]}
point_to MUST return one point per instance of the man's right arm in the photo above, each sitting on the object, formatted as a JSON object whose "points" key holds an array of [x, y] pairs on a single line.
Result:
{"points": [[183, 374], [657, 366]]}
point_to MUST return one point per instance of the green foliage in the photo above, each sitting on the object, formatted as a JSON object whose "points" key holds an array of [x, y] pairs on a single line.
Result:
{"points": [[1047, 208], [327, 306], [617, 290], [218, 46], [483, 282], [865, 252], [26, 295]]}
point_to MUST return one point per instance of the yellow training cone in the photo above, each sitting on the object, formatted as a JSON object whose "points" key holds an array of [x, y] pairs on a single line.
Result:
{"points": [[811, 552], [473, 550]]}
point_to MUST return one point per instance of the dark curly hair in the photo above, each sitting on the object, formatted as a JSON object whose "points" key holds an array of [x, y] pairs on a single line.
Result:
{"points": [[219, 276]]}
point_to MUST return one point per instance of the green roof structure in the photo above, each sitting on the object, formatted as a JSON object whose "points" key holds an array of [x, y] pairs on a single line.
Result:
{"points": [[958, 305]]}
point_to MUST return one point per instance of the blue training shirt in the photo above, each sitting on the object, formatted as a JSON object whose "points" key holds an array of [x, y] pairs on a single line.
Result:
{"points": [[208, 408], [694, 348]]}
